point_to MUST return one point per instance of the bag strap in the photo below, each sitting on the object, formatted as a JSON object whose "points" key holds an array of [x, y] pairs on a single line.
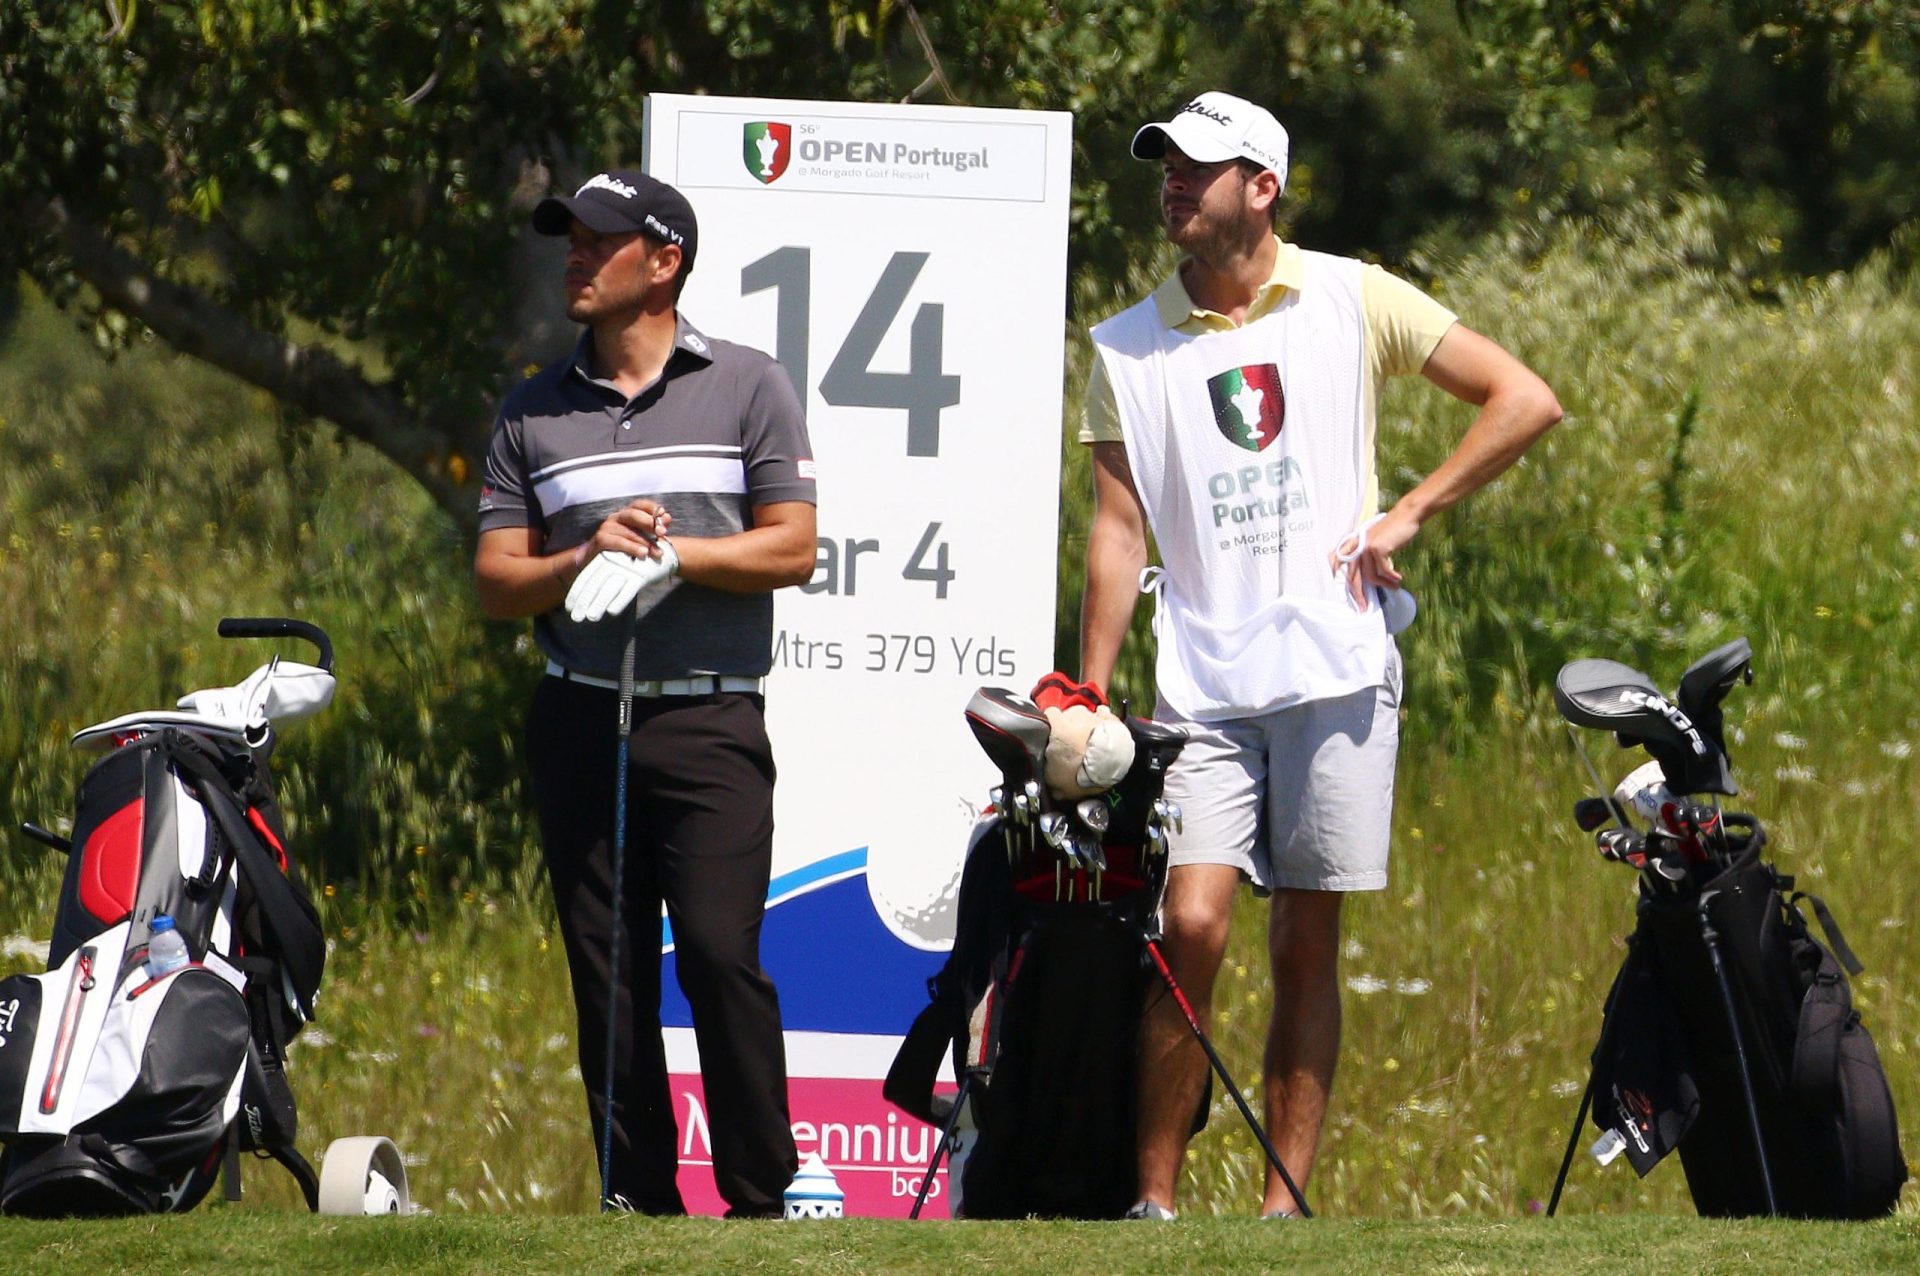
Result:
{"points": [[292, 930], [1826, 1009], [1835, 940], [910, 1081]]}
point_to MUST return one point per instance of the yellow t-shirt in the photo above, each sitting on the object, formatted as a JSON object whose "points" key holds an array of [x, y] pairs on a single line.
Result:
{"points": [[1403, 325]]}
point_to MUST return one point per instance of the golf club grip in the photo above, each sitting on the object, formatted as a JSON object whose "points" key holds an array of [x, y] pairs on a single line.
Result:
{"points": [[279, 627]]}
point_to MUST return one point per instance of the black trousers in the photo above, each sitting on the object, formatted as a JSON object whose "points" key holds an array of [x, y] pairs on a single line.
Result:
{"points": [[700, 838]]}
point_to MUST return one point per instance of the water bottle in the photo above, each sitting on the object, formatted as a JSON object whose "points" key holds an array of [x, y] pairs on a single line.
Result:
{"points": [[166, 948]]}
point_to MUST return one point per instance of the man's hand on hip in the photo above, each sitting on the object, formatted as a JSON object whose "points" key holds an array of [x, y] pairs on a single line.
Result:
{"points": [[1367, 555]]}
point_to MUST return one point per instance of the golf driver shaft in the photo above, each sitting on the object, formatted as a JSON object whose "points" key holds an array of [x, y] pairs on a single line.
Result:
{"points": [[1220, 1067]]}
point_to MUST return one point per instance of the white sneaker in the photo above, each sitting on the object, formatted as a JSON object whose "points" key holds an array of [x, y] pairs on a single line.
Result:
{"points": [[1150, 1210]]}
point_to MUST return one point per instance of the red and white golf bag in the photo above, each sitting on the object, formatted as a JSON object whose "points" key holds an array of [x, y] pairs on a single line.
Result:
{"points": [[121, 1092]]}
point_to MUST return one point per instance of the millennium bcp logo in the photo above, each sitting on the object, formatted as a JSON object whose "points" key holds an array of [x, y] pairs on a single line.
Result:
{"points": [[766, 146], [1248, 405]]}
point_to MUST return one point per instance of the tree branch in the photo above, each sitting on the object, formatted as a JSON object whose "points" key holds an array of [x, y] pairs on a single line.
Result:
{"points": [[308, 378], [935, 72]]}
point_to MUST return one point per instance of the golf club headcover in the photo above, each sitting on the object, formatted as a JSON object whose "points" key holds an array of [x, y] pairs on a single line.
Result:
{"points": [[280, 691], [1057, 691], [611, 582], [1089, 750]]}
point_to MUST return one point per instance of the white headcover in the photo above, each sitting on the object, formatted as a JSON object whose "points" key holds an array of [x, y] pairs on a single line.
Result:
{"points": [[279, 692], [276, 693]]}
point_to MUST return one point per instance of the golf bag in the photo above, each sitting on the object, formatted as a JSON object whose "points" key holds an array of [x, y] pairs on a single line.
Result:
{"points": [[121, 1091], [1729, 1033], [1039, 1004]]}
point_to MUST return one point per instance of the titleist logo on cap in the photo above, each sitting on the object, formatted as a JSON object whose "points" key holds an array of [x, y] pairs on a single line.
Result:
{"points": [[1197, 107], [607, 182]]}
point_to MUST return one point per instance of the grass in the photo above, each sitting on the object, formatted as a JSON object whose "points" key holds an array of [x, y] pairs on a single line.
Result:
{"points": [[1727, 467], [233, 1240]]}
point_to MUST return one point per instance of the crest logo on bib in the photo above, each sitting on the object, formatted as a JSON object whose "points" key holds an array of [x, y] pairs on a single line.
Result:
{"points": [[766, 146], [1248, 405]]}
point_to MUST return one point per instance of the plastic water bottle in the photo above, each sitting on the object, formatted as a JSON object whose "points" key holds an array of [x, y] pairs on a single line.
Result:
{"points": [[166, 948]]}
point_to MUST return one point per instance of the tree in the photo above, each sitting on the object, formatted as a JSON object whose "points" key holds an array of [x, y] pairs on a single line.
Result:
{"points": [[322, 196]]}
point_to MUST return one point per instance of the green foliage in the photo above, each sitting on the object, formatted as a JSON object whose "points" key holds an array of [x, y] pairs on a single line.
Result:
{"points": [[354, 175], [143, 501], [1800, 112]]}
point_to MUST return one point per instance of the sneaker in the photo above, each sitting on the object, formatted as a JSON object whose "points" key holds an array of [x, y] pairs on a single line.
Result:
{"points": [[1150, 1210]]}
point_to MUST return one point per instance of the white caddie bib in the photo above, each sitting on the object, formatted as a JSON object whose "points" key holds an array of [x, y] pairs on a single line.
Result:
{"points": [[1251, 454]]}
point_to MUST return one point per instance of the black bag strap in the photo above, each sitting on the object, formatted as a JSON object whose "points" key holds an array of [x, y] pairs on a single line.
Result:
{"points": [[290, 925], [910, 1081], [1826, 1011], [1835, 940]]}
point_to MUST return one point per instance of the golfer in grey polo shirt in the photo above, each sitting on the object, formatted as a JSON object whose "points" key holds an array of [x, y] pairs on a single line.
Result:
{"points": [[660, 479]]}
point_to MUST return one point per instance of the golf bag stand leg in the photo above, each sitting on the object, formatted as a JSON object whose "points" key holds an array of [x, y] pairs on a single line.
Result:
{"points": [[1599, 1052], [1220, 1068], [946, 1141], [1712, 938]]}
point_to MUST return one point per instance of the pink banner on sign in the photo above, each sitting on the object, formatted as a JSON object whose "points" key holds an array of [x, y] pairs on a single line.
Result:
{"points": [[877, 1152]]}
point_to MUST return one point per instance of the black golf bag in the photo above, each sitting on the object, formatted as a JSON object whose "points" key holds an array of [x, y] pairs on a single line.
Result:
{"points": [[1729, 1033], [1039, 1004], [122, 1092]]}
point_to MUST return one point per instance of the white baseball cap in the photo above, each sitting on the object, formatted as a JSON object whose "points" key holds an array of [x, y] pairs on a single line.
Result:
{"points": [[1215, 127]]}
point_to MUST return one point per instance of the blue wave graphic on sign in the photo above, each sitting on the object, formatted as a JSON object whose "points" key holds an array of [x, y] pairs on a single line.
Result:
{"points": [[837, 966]]}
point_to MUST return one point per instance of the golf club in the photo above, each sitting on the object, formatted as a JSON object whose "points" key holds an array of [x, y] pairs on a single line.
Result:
{"points": [[625, 728]]}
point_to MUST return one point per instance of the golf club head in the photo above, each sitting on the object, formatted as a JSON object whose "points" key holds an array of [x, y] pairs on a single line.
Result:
{"points": [[1013, 732], [1623, 846], [1672, 867], [1592, 812]]}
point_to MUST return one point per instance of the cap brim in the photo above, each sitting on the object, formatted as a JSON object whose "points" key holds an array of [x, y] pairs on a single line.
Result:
{"points": [[1150, 143], [556, 214]]}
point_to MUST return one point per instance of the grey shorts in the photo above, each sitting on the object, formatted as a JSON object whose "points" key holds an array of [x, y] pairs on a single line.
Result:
{"points": [[1300, 798]]}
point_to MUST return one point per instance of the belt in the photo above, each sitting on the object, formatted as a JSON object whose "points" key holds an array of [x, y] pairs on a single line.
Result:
{"points": [[700, 685]]}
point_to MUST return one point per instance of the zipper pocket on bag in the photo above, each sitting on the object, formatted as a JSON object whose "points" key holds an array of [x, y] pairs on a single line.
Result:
{"points": [[81, 983], [161, 979]]}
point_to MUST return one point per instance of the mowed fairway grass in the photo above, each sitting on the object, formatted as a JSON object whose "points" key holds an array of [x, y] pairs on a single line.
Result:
{"points": [[228, 1240]]}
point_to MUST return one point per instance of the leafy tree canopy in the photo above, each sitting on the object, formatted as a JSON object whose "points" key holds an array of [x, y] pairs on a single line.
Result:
{"points": [[325, 197]]}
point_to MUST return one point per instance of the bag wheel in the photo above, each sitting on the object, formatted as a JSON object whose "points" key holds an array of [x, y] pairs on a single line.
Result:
{"points": [[363, 1175]]}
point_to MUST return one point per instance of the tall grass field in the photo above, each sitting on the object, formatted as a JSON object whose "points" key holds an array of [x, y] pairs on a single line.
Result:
{"points": [[1728, 466]]}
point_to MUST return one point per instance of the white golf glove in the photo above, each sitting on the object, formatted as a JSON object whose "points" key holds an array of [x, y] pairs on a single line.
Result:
{"points": [[609, 584]]}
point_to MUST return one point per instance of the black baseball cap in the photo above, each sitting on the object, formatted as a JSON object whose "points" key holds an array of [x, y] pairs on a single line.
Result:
{"points": [[621, 201]]}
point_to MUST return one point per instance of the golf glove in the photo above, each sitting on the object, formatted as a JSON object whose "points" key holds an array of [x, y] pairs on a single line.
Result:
{"points": [[609, 584]]}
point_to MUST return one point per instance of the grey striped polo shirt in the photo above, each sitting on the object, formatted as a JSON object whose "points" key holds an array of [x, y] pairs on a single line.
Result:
{"points": [[719, 432]]}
